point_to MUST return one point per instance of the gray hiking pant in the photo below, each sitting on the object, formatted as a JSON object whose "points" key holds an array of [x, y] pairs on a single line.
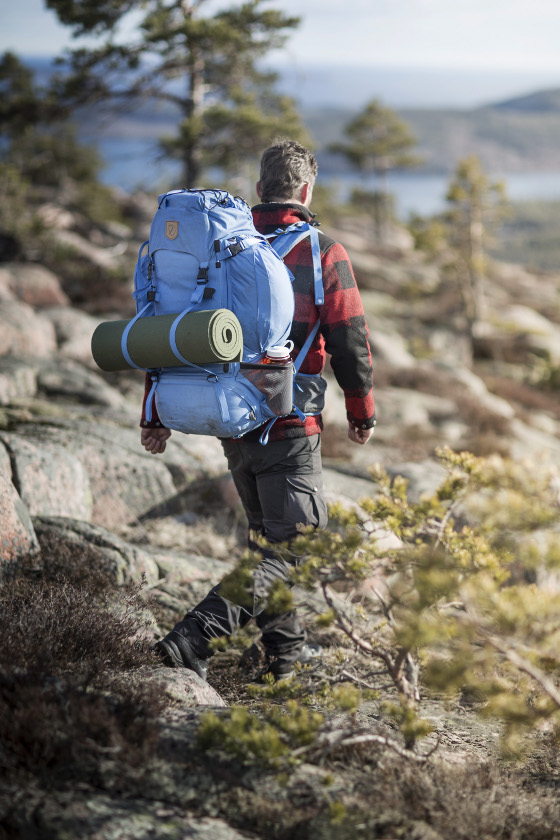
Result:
{"points": [[280, 485]]}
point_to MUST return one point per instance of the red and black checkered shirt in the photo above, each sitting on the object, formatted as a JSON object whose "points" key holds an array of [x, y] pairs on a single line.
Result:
{"points": [[343, 332]]}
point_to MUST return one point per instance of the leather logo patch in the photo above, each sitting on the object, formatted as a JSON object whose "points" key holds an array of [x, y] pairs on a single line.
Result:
{"points": [[171, 230]]}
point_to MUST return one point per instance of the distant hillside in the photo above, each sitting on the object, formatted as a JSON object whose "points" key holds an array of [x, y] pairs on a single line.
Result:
{"points": [[517, 135], [544, 101], [505, 139]]}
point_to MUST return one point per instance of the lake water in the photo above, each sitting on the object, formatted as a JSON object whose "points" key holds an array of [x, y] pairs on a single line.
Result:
{"points": [[131, 163]]}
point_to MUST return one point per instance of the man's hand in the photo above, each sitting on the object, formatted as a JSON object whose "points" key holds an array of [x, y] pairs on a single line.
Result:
{"points": [[359, 435], [154, 440]]}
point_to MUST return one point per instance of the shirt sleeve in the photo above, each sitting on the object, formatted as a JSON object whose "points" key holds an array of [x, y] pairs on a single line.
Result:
{"points": [[345, 331]]}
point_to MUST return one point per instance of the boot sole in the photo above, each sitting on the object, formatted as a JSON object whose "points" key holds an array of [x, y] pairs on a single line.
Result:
{"points": [[169, 654]]}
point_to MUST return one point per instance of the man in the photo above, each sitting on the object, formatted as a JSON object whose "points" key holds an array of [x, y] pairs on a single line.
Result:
{"points": [[280, 483]]}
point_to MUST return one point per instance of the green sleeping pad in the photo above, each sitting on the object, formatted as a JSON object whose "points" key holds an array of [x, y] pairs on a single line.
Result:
{"points": [[204, 337]]}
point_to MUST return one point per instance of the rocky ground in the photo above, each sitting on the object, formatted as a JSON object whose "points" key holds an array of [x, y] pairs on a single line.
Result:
{"points": [[73, 473]]}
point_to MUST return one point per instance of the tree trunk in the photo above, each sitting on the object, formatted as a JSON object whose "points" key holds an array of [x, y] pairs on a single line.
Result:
{"points": [[381, 207], [192, 153], [476, 269]]}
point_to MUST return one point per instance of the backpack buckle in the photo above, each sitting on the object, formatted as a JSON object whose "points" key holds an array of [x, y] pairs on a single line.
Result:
{"points": [[235, 249]]}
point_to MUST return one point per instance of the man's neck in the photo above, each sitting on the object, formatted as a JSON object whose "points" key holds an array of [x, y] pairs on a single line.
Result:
{"points": [[287, 202]]}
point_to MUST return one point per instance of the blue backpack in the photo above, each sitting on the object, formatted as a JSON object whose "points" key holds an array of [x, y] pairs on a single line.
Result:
{"points": [[204, 252]]}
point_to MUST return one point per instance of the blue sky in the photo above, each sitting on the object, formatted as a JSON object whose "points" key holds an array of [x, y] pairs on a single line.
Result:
{"points": [[493, 38], [499, 34]]}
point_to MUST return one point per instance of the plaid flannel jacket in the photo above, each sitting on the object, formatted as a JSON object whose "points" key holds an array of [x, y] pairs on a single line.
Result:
{"points": [[343, 332]]}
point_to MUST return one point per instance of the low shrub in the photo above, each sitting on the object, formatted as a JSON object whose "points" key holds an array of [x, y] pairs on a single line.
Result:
{"points": [[68, 696]]}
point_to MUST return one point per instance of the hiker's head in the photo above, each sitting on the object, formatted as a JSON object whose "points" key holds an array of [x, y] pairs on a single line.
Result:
{"points": [[288, 172]]}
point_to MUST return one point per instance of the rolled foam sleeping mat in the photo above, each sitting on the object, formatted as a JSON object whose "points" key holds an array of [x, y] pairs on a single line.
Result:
{"points": [[204, 338]]}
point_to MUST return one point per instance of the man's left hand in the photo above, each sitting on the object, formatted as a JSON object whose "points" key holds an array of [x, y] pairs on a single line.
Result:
{"points": [[360, 436], [154, 440]]}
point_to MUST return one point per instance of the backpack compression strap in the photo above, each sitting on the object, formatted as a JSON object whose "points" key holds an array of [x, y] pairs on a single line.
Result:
{"points": [[223, 249], [173, 345]]}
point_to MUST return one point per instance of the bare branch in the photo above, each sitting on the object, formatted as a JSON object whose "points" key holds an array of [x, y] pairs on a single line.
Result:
{"points": [[388, 742], [445, 520], [527, 667], [347, 628], [348, 676], [332, 740]]}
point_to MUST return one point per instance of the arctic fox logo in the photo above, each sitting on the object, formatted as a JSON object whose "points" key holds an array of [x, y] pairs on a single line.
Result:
{"points": [[171, 230]]}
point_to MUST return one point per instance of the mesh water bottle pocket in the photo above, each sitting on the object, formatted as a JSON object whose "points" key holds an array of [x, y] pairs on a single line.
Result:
{"points": [[275, 382]]}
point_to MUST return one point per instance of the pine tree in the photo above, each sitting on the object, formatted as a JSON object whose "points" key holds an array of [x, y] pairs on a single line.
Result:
{"points": [[477, 206], [465, 604], [378, 141], [204, 66], [39, 153]]}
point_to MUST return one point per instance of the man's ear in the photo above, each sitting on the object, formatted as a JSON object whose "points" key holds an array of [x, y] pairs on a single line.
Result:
{"points": [[305, 195], [258, 188]]}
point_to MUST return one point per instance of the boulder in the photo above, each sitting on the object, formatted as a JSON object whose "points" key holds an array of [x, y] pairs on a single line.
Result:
{"points": [[18, 379], [182, 567], [95, 815], [524, 319], [399, 409], [186, 688], [366, 268], [96, 470], [50, 480], [424, 477], [35, 285], [529, 442], [54, 216], [124, 563], [520, 284], [127, 482], [107, 258], [70, 380], [477, 388], [381, 308], [25, 333], [194, 536], [346, 486], [17, 536], [448, 346], [6, 292], [391, 348], [73, 330], [517, 332]]}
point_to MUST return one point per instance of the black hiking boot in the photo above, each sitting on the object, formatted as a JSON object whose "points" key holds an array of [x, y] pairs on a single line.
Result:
{"points": [[310, 654], [177, 652]]}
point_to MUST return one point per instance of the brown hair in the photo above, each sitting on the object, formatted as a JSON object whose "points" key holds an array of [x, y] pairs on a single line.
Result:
{"points": [[285, 167]]}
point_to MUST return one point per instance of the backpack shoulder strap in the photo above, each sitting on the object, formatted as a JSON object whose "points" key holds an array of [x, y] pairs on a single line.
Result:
{"points": [[286, 239], [308, 342]]}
